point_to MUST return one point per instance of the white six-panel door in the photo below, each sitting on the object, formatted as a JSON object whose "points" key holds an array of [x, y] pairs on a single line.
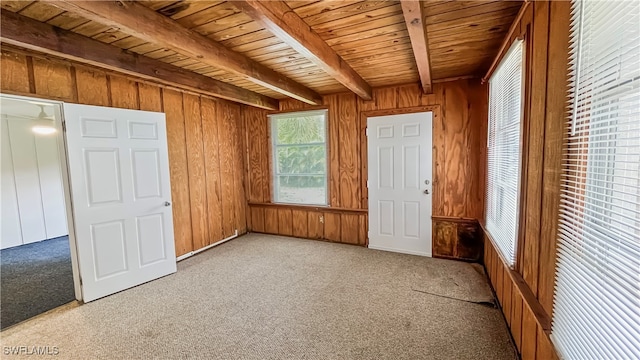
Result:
{"points": [[119, 174], [400, 175]]}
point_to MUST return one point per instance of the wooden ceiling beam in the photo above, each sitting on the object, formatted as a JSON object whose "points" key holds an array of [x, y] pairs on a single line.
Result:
{"points": [[414, 18], [137, 20], [27, 33], [285, 24]]}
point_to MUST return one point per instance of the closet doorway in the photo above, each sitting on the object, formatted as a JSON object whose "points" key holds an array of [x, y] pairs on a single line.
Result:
{"points": [[35, 256]]}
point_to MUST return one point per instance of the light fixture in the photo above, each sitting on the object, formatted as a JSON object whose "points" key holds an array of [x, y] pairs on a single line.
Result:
{"points": [[43, 130], [43, 124]]}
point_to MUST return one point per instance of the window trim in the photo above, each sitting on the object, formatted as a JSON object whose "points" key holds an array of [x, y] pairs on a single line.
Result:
{"points": [[272, 116]]}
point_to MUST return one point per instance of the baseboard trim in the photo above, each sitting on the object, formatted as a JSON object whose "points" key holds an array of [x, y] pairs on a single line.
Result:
{"points": [[191, 253]]}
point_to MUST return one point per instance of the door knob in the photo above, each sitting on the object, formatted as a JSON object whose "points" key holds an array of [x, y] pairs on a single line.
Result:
{"points": [[166, 203], [426, 191]]}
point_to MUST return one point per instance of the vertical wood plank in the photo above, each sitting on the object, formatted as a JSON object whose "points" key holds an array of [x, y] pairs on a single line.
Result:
{"points": [[349, 228], [291, 104], [53, 79], [478, 95], [334, 150], [533, 202], [409, 96], [124, 92], [507, 286], [226, 168], [178, 169], [453, 201], [516, 318], [439, 181], [92, 87], [348, 154], [271, 220], [150, 96], [238, 168], [386, 98], [500, 282], [267, 166], [195, 166], [315, 227], [210, 123], [544, 348], [300, 220], [332, 226], [364, 161], [257, 219], [363, 229], [554, 132], [256, 180], [444, 237], [529, 335], [285, 224], [14, 73]]}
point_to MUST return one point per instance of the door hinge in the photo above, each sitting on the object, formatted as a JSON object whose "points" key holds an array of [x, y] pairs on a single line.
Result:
{"points": [[366, 131], [64, 126], [367, 184]]}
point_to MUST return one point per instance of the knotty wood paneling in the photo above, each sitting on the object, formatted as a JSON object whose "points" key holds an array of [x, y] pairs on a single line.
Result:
{"points": [[196, 168], [459, 136], [93, 87], [124, 92], [544, 27], [523, 314], [211, 142], [181, 202], [238, 135], [225, 133], [200, 177], [54, 79], [15, 72]]}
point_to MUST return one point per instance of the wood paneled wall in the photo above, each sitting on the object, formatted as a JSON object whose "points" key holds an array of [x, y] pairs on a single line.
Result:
{"points": [[526, 292], [459, 135], [205, 138]]}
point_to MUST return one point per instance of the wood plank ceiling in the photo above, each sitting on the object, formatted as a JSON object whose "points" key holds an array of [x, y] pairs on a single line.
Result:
{"points": [[370, 36]]}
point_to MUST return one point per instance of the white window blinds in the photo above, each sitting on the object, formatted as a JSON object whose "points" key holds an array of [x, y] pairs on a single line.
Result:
{"points": [[597, 295], [503, 152]]}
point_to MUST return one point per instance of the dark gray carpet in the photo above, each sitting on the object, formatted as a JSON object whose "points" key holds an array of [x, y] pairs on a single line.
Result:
{"points": [[34, 278]]}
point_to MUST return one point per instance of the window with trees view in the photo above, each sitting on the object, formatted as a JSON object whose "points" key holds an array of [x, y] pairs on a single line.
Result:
{"points": [[299, 148]]}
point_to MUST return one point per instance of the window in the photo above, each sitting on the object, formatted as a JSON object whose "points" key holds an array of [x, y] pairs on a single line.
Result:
{"points": [[503, 152], [597, 294], [300, 157]]}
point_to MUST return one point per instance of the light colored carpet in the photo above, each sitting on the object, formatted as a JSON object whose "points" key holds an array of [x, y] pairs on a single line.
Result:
{"points": [[268, 297]]}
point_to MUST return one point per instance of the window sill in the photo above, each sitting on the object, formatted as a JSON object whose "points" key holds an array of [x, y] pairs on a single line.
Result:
{"points": [[318, 208]]}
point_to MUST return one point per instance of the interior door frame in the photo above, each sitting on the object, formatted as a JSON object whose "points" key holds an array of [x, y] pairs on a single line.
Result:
{"points": [[364, 160], [66, 184]]}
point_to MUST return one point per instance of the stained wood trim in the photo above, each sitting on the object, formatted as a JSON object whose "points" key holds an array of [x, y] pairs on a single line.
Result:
{"points": [[414, 19], [455, 78], [306, 108], [309, 208], [410, 110], [542, 318], [286, 25], [507, 41], [22, 31], [454, 219], [140, 21]]}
